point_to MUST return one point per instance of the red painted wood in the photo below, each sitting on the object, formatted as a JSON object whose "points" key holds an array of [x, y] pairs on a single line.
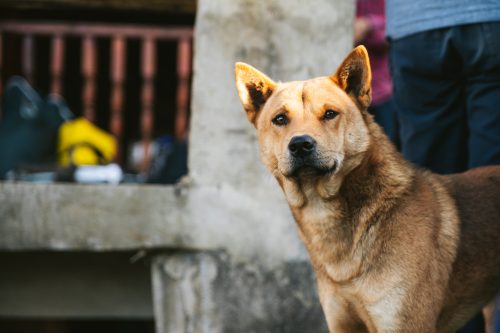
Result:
{"points": [[118, 34], [57, 64], [183, 74], [88, 67], [118, 54], [97, 30], [27, 57], [148, 67]]}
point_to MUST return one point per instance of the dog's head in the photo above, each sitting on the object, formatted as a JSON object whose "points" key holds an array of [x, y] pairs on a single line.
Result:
{"points": [[309, 128]]}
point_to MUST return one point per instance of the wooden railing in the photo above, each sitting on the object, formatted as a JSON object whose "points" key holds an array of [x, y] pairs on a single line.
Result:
{"points": [[118, 35]]}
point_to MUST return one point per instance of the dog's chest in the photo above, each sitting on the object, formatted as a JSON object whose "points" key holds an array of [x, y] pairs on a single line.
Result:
{"points": [[319, 213], [320, 226], [329, 241]]}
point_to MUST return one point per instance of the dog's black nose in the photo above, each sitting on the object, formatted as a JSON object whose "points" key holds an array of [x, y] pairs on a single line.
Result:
{"points": [[302, 145]]}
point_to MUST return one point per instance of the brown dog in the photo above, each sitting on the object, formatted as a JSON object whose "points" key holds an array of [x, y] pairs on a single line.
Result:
{"points": [[394, 248]]}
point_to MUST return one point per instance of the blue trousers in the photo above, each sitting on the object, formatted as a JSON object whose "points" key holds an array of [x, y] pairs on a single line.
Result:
{"points": [[386, 116], [447, 92]]}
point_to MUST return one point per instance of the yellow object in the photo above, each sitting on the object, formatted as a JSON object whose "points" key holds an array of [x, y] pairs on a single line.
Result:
{"points": [[82, 143]]}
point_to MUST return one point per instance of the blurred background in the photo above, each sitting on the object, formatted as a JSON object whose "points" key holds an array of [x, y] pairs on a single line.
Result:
{"points": [[100, 100], [123, 66]]}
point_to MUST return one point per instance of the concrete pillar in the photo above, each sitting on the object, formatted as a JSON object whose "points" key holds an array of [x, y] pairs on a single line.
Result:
{"points": [[268, 285], [183, 293], [288, 40]]}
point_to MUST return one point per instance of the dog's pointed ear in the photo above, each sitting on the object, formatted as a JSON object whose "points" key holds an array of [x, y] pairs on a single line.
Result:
{"points": [[254, 88], [354, 76]]}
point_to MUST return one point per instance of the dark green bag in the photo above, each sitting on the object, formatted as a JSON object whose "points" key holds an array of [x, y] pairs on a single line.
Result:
{"points": [[29, 126]]}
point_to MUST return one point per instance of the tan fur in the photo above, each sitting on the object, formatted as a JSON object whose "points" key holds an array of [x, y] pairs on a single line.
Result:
{"points": [[394, 248]]}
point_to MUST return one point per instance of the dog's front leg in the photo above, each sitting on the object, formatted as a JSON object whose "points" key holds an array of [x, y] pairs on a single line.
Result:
{"points": [[340, 316], [340, 320]]}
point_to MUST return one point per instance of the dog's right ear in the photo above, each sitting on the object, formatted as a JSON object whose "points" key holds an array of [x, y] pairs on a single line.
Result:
{"points": [[254, 89]]}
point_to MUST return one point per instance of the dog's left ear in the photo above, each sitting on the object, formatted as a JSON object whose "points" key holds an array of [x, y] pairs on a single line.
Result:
{"points": [[354, 76], [254, 88]]}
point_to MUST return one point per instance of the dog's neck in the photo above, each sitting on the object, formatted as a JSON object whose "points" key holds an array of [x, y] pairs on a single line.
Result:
{"points": [[336, 214]]}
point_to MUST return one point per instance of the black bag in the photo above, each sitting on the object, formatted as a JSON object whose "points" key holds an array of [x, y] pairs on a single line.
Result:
{"points": [[29, 126], [170, 163]]}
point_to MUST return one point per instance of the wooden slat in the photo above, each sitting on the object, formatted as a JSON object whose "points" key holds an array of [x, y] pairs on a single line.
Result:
{"points": [[88, 68], [97, 30], [27, 57], [166, 6], [148, 67], [183, 74], [118, 54], [57, 64]]}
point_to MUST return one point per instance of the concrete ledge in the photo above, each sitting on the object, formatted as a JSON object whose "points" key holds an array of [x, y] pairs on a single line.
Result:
{"points": [[89, 217], [98, 218]]}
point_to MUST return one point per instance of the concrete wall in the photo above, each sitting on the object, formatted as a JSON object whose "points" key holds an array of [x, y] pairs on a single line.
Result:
{"points": [[273, 289], [288, 40]]}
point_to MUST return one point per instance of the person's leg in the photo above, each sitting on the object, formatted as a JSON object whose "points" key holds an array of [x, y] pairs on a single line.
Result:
{"points": [[386, 116], [475, 325], [496, 315], [430, 101], [480, 49]]}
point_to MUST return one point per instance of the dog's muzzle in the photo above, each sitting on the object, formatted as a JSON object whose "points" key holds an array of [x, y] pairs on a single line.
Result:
{"points": [[304, 158]]}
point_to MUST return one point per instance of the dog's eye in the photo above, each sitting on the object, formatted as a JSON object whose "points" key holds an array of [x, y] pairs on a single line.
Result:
{"points": [[330, 114], [280, 120]]}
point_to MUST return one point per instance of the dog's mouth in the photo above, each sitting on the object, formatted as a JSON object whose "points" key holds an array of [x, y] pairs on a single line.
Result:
{"points": [[306, 168]]}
